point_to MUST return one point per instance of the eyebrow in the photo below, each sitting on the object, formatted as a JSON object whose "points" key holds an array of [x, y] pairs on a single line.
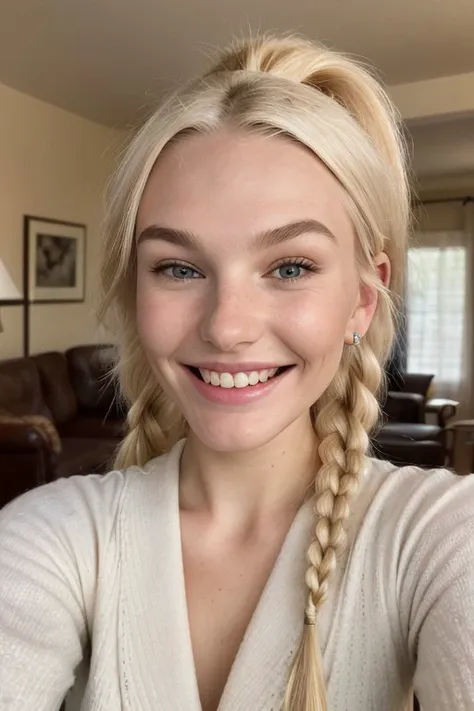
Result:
{"points": [[269, 238]]}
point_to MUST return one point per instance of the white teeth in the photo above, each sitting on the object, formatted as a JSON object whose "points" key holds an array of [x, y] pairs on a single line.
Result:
{"points": [[226, 380], [253, 377], [241, 380], [238, 380]]}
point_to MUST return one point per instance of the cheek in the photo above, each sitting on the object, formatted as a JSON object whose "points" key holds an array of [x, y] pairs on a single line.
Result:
{"points": [[316, 322], [162, 322]]}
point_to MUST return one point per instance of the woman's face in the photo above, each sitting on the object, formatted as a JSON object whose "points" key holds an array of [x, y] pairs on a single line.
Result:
{"points": [[246, 278]]}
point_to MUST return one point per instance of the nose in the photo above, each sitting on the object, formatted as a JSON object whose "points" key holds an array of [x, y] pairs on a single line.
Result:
{"points": [[233, 317]]}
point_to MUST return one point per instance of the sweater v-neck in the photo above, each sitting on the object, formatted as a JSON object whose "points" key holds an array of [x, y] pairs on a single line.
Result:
{"points": [[157, 621]]}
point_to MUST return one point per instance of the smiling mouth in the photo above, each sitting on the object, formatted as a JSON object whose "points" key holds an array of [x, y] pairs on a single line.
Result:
{"points": [[238, 380]]}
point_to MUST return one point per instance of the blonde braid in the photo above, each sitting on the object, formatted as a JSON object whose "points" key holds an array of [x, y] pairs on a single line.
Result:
{"points": [[346, 412], [153, 420]]}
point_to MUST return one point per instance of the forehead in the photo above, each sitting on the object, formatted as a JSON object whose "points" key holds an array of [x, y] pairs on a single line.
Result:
{"points": [[241, 182]]}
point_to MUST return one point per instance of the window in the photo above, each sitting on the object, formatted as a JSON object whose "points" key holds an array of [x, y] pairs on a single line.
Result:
{"points": [[436, 303]]}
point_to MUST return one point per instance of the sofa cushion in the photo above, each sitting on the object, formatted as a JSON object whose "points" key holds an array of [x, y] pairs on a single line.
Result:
{"points": [[414, 432], [402, 453], [20, 388], [90, 427], [57, 389]]}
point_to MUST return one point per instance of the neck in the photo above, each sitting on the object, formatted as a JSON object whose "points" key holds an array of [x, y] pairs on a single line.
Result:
{"points": [[240, 490]]}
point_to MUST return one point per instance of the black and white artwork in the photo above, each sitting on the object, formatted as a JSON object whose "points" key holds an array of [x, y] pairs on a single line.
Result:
{"points": [[56, 261], [55, 254]]}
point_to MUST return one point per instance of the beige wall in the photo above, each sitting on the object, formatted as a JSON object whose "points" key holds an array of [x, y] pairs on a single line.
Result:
{"points": [[430, 98], [442, 186], [52, 164], [443, 215]]}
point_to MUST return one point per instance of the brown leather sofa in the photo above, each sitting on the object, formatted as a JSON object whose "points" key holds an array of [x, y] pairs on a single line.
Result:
{"points": [[59, 417]]}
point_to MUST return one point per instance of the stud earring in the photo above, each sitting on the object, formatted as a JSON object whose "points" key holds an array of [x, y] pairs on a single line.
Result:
{"points": [[356, 339]]}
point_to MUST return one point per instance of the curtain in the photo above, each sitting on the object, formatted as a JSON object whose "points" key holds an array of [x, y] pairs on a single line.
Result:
{"points": [[439, 311]]}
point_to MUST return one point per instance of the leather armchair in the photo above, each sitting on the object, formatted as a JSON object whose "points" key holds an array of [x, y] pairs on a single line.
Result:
{"points": [[404, 437], [404, 407]]}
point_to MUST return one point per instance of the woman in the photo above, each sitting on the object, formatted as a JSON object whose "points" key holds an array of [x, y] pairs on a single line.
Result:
{"points": [[256, 239]]}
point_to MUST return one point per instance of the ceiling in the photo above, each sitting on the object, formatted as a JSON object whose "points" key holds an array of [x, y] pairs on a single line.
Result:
{"points": [[107, 59]]}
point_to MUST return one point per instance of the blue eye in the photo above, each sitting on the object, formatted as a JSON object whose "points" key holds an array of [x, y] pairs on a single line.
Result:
{"points": [[289, 271], [294, 269], [179, 271], [176, 271]]}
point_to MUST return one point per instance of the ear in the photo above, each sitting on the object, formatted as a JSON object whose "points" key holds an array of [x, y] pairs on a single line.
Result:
{"points": [[367, 301]]}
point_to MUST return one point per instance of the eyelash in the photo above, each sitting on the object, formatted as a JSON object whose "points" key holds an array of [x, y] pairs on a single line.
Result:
{"points": [[306, 264]]}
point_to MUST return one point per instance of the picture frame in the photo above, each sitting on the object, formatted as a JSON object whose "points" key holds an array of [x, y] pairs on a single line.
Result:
{"points": [[54, 260]]}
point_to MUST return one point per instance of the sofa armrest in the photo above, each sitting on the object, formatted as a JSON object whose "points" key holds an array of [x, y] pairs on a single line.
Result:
{"points": [[443, 408], [26, 460], [404, 407], [20, 437]]}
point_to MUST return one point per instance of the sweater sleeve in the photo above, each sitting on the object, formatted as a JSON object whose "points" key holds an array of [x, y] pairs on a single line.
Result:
{"points": [[50, 540], [436, 590]]}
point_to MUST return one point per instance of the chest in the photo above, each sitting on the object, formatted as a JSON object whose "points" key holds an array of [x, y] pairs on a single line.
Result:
{"points": [[223, 589]]}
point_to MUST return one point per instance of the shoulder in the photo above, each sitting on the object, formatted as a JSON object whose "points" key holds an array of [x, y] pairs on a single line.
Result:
{"points": [[91, 498], [407, 517], [420, 532], [59, 536], [419, 525], [53, 543], [410, 497], [63, 529]]}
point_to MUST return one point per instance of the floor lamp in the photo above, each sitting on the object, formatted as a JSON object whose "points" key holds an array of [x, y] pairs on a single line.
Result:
{"points": [[9, 294]]}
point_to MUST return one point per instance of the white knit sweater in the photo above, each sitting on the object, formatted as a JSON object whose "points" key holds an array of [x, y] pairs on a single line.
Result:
{"points": [[91, 568]]}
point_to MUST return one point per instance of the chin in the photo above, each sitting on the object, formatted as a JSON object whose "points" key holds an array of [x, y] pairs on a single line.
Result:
{"points": [[228, 436], [234, 433]]}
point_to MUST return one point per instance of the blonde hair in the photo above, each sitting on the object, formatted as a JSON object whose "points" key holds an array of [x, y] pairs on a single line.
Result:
{"points": [[291, 87]]}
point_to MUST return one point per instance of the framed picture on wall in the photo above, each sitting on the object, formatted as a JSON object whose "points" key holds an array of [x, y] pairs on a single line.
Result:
{"points": [[54, 260]]}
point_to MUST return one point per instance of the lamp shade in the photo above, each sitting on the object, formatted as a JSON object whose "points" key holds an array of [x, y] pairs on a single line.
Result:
{"points": [[8, 290]]}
